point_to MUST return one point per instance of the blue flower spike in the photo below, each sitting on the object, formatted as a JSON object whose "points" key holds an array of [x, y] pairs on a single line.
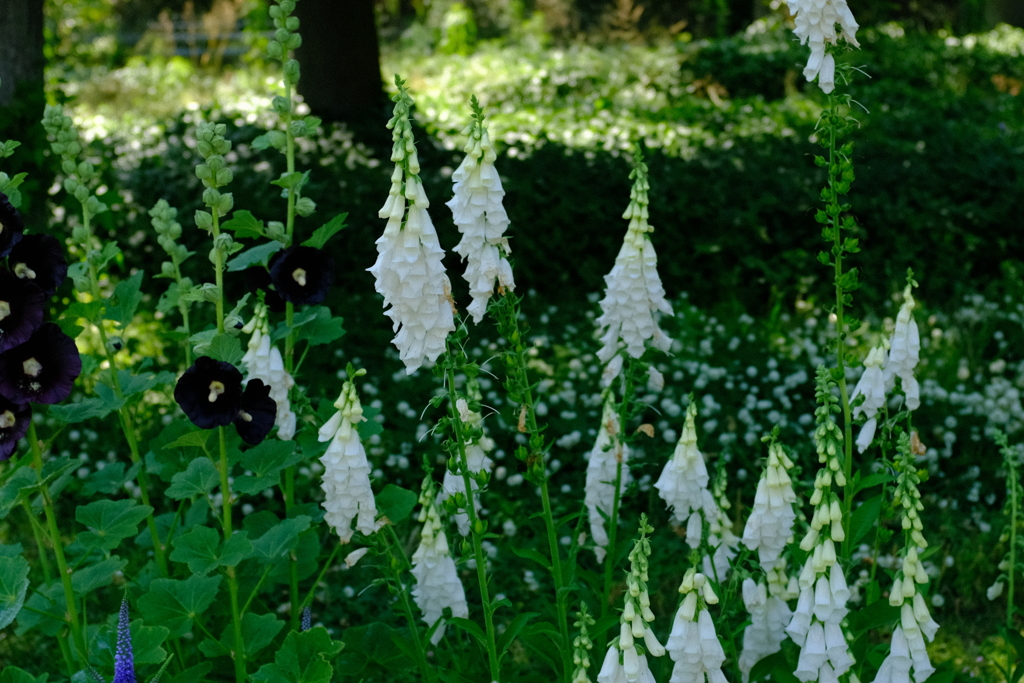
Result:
{"points": [[124, 665], [307, 618]]}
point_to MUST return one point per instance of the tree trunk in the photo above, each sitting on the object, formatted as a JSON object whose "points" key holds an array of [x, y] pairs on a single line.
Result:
{"points": [[21, 48], [340, 59]]}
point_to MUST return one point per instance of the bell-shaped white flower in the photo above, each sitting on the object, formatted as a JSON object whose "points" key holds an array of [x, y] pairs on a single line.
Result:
{"points": [[263, 361], [769, 615], [633, 291], [602, 470], [816, 25], [408, 272], [872, 387], [476, 458], [904, 352], [481, 218], [346, 477], [683, 483], [437, 582], [770, 525], [693, 643]]}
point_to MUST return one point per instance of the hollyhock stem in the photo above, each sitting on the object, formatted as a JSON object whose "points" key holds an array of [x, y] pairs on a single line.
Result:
{"points": [[71, 617], [476, 528], [38, 533], [238, 654], [396, 557]]}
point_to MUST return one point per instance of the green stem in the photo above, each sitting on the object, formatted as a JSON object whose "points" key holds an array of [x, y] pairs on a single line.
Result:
{"points": [[238, 654], [38, 532], [391, 544], [1013, 545], [71, 617], [218, 268], [476, 529], [308, 600]]}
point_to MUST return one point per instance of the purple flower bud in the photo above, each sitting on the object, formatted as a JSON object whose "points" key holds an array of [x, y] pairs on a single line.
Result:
{"points": [[42, 370], [124, 665]]}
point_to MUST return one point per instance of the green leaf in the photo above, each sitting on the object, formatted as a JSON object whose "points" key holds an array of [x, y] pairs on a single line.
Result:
{"points": [[110, 479], [88, 579], [194, 439], [174, 604], [86, 409], [304, 657], [872, 480], [470, 627], [258, 631], [290, 180], [198, 549], [237, 548], [396, 503], [512, 630], [109, 252], [47, 607], [13, 587], [198, 479], [250, 486], [270, 457], [243, 224], [369, 426], [280, 539], [323, 328], [326, 232], [13, 489], [127, 295], [190, 675], [146, 642], [864, 519], [12, 674], [255, 256], [531, 554], [110, 522], [142, 382], [225, 347]]}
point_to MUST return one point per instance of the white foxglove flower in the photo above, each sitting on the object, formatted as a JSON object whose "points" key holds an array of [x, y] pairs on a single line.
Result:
{"points": [[816, 25], [872, 387], [481, 218], [720, 535], [602, 470], [904, 352], [346, 477], [476, 457], [408, 272], [683, 484], [693, 643], [995, 590], [896, 667], [437, 582], [770, 525], [624, 663], [633, 292], [769, 616], [263, 361]]}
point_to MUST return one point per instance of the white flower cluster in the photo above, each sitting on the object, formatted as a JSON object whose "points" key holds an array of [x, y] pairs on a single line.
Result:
{"points": [[872, 387], [633, 291], [437, 582], [634, 624], [476, 458], [263, 361], [770, 525], [816, 24], [904, 352], [821, 606], [408, 271], [481, 218], [769, 616], [693, 643], [720, 534], [602, 470], [346, 478]]}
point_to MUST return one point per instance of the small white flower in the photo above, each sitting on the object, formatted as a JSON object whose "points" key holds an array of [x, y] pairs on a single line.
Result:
{"points": [[683, 483], [904, 353], [770, 524], [769, 616], [602, 470], [995, 590], [346, 477], [263, 361], [816, 24], [482, 220], [872, 387], [353, 557], [437, 581], [693, 643], [633, 292]]}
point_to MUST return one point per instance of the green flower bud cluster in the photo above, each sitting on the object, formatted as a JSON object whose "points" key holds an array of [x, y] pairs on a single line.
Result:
{"points": [[907, 497], [168, 232], [827, 520], [213, 172], [582, 645], [637, 613], [636, 213], [286, 37], [79, 175], [403, 151]]}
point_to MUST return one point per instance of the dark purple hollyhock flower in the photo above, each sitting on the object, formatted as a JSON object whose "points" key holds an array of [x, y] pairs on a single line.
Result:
{"points": [[42, 370], [11, 225], [259, 279], [13, 425], [21, 310], [257, 413], [211, 395], [302, 275], [124, 660], [39, 259]]}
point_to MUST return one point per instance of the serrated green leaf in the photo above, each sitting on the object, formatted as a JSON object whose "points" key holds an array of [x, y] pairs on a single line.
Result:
{"points": [[258, 631], [13, 587], [193, 439], [12, 674], [292, 180], [250, 486], [198, 549], [88, 579], [236, 549], [396, 503], [12, 490], [142, 382], [304, 657], [280, 539], [127, 295], [243, 224], [174, 604], [327, 231], [369, 426], [110, 479], [109, 522], [86, 409], [323, 328], [270, 457], [864, 518], [225, 347], [255, 256], [190, 675], [47, 605], [198, 479]]}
